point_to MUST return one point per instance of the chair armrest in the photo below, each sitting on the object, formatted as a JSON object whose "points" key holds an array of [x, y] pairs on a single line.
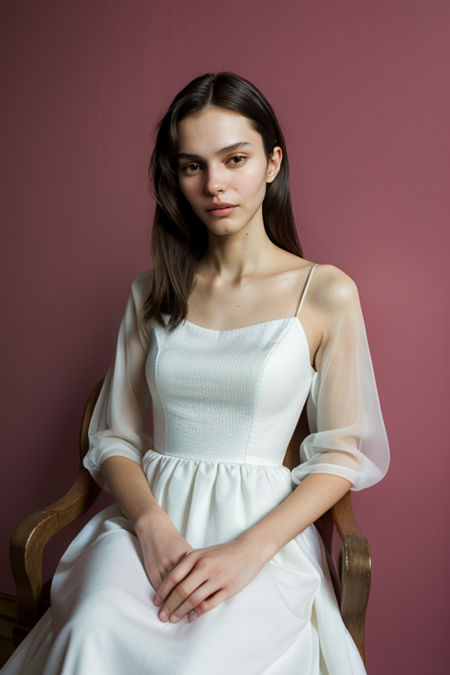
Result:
{"points": [[32, 535], [355, 570]]}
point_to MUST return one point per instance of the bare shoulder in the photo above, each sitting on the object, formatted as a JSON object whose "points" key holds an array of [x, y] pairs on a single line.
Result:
{"points": [[331, 288]]}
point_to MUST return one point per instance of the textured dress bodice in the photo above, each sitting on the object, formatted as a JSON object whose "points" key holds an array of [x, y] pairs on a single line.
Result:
{"points": [[233, 395]]}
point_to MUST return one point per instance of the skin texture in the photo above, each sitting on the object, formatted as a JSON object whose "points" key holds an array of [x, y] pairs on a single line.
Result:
{"points": [[243, 279], [239, 176]]}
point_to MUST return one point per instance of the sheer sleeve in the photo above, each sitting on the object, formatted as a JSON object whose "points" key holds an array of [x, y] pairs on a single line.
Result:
{"points": [[348, 437], [117, 424]]}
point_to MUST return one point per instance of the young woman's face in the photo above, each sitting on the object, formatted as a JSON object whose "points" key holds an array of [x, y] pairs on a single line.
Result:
{"points": [[210, 171]]}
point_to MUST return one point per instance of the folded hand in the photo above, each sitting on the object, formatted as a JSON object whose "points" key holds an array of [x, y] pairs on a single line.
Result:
{"points": [[205, 577]]}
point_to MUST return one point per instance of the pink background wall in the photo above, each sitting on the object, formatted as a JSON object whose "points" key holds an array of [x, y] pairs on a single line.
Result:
{"points": [[360, 88]]}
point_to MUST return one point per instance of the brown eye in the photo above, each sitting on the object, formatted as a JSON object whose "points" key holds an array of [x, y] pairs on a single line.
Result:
{"points": [[189, 166], [238, 157]]}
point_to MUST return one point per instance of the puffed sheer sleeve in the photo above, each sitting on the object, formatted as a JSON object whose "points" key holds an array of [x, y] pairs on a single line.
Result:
{"points": [[117, 424], [348, 436]]}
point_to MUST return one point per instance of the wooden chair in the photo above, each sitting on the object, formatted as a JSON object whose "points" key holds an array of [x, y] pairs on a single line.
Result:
{"points": [[351, 582]]}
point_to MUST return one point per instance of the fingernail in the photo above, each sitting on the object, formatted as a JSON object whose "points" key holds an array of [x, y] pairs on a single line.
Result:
{"points": [[192, 616], [164, 614], [157, 599]]}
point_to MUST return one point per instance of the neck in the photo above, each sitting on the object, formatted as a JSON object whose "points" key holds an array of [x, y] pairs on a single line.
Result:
{"points": [[233, 256]]}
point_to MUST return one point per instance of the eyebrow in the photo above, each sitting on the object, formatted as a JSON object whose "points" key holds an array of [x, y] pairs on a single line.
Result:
{"points": [[235, 146]]}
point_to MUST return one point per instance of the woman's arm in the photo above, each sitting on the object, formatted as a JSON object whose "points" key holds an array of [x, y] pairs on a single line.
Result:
{"points": [[347, 447], [117, 442], [162, 545], [116, 428], [335, 301], [129, 486], [348, 437], [317, 493]]}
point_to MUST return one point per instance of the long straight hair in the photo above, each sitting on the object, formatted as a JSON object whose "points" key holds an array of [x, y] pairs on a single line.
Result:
{"points": [[179, 238]]}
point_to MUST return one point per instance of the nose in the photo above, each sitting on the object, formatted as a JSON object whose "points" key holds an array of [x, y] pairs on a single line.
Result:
{"points": [[214, 181]]}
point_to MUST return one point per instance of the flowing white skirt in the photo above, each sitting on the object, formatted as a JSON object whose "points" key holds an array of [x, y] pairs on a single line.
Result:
{"points": [[102, 620]]}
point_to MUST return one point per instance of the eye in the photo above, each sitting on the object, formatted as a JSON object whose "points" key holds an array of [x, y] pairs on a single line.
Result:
{"points": [[238, 157], [188, 167]]}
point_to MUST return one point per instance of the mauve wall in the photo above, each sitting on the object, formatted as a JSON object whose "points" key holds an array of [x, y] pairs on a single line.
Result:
{"points": [[361, 89]]}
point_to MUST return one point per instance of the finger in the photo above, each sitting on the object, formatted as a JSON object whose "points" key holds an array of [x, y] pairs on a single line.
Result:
{"points": [[194, 600], [180, 594], [211, 601], [178, 573], [157, 600]]}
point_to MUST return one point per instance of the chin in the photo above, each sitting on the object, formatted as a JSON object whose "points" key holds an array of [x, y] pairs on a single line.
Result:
{"points": [[223, 228]]}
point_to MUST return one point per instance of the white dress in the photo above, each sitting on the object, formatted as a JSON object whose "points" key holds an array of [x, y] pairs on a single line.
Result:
{"points": [[225, 405]]}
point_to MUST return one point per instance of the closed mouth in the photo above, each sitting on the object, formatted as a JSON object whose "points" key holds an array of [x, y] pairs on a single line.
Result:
{"points": [[221, 206]]}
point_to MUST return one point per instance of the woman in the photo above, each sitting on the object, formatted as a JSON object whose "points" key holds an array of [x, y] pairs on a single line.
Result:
{"points": [[210, 561]]}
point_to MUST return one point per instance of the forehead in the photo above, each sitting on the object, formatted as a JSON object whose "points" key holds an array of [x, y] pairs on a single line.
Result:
{"points": [[214, 129]]}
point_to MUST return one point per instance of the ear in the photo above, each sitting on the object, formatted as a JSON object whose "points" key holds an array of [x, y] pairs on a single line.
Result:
{"points": [[274, 164]]}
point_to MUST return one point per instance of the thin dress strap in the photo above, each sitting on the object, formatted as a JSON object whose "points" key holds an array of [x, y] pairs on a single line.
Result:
{"points": [[305, 289]]}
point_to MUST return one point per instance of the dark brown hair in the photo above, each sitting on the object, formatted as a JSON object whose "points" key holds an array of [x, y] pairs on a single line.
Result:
{"points": [[179, 238]]}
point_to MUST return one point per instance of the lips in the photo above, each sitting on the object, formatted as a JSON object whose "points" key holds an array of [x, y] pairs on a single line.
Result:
{"points": [[220, 205]]}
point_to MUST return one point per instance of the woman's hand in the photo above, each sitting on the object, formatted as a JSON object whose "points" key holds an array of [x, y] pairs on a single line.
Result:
{"points": [[163, 547], [161, 544], [204, 577]]}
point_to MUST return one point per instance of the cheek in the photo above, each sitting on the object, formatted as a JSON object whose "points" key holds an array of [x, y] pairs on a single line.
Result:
{"points": [[251, 182], [188, 188]]}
